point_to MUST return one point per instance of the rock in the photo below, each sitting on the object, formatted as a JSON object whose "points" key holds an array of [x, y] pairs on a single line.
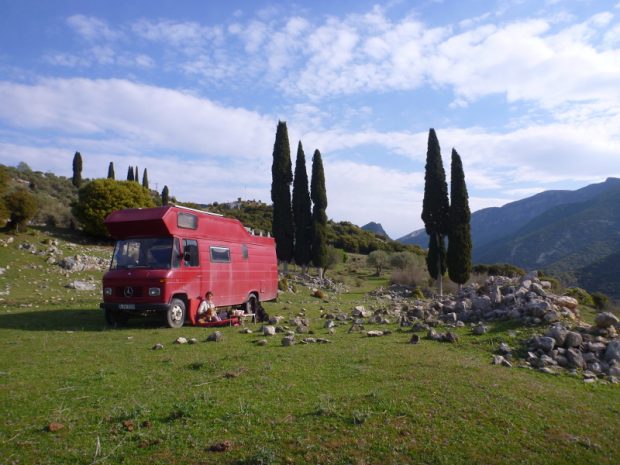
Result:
{"points": [[275, 320], [433, 335], [538, 289], [572, 339], [261, 342], [246, 331], [158, 346], [54, 426], [355, 327], [605, 319], [322, 340], [480, 330], [551, 316], [565, 301], [558, 333], [544, 343], [180, 340], [360, 311], [192, 340], [504, 348], [374, 333], [575, 359], [496, 295], [329, 324], [450, 337], [612, 353], [499, 360], [302, 329], [414, 339], [82, 286], [269, 330], [308, 340], [288, 341], [220, 446], [217, 336]]}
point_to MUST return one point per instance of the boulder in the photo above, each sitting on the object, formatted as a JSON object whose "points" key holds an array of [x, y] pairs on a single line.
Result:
{"points": [[374, 333], [360, 311], [558, 333], [217, 336], [565, 301], [269, 330], [544, 343], [450, 337], [575, 359], [572, 339], [288, 341], [480, 330], [612, 353], [605, 319]]}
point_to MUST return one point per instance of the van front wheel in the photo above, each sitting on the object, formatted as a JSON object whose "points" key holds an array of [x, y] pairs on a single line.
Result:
{"points": [[175, 316]]}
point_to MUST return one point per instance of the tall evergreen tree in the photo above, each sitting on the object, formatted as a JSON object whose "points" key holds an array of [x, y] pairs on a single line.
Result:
{"points": [[165, 196], [130, 174], [145, 179], [302, 214], [319, 217], [459, 237], [111, 171], [77, 170], [282, 176], [435, 209], [136, 175]]}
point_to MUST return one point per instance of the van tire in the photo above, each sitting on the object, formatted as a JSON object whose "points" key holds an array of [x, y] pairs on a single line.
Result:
{"points": [[175, 316]]}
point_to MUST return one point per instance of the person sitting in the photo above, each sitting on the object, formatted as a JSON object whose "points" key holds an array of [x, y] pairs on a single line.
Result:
{"points": [[206, 310]]}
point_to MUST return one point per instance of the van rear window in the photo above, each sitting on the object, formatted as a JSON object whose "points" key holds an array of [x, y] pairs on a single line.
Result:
{"points": [[187, 221], [220, 254]]}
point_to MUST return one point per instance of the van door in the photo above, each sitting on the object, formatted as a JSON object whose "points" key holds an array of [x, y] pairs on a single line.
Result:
{"points": [[191, 275], [221, 277]]}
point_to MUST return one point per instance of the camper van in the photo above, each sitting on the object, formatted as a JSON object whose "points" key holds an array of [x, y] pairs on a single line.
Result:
{"points": [[167, 258]]}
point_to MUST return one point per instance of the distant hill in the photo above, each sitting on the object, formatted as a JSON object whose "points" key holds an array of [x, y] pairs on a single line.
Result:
{"points": [[375, 228], [572, 234]]}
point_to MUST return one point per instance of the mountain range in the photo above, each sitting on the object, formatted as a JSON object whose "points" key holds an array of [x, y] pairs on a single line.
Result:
{"points": [[574, 235], [375, 228]]}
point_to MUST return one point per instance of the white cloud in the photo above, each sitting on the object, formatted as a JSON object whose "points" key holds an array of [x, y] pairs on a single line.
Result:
{"points": [[91, 28]]}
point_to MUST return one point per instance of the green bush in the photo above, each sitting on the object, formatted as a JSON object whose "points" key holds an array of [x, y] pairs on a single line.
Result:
{"points": [[22, 207], [499, 269], [98, 198], [582, 296], [601, 301]]}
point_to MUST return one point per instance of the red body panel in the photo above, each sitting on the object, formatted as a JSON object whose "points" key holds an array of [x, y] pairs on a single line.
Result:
{"points": [[250, 268]]}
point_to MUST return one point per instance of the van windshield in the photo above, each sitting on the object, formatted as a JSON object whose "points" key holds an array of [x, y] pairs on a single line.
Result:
{"points": [[151, 252]]}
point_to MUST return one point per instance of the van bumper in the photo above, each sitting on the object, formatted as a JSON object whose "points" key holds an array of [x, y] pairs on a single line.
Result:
{"points": [[134, 308]]}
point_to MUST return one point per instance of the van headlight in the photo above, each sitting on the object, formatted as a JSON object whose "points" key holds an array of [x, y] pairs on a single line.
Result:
{"points": [[154, 291], [107, 291]]}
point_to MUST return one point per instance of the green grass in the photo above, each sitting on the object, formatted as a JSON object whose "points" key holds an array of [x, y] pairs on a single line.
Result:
{"points": [[357, 400]]}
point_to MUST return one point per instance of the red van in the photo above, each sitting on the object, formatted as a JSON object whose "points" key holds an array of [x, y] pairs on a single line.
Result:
{"points": [[166, 259]]}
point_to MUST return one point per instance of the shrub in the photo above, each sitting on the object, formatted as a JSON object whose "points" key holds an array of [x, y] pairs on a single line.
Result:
{"points": [[499, 269], [100, 197], [402, 260], [582, 296], [412, 276], [22, 207], [378, 259], [601, 301]]}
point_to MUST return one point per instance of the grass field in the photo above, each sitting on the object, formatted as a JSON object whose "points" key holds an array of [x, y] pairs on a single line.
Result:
{"points": [[357, 400]]}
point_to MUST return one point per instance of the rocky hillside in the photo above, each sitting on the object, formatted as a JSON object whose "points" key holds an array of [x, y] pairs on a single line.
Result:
{"points": [[572, 234]]}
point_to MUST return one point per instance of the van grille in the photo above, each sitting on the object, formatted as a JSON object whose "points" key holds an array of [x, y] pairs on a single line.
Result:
{"points": [[128, 292]]}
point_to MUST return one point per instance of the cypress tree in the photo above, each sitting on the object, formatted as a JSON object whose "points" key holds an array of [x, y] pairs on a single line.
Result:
{"points": [[77, 170], [319, 217], [459, 237], [111, 171], [165, 196], [435, 209], [130, 174], [302, 215], [145, 179], [136, 176], [282, 176]]}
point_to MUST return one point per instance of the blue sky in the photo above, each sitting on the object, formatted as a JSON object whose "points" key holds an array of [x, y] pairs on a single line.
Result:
{"points": [[528, 92]]}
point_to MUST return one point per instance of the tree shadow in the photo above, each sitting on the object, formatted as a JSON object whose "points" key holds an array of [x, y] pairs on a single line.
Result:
{"points": [[70, 320]]}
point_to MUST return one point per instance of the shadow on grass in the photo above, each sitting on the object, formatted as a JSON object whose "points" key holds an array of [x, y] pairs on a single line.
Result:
{"points": [[70, 320]]}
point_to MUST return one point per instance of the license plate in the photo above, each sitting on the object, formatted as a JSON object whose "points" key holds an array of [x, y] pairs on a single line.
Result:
{"points": [[126, 306]]}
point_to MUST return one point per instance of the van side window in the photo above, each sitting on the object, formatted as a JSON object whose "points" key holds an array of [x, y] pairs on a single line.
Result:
{"points": [[187, 221], [176, 254], [244, 251], [220, 254], [190, 252]]}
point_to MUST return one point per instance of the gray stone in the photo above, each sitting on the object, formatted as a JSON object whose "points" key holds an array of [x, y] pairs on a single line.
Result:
{"points": [[558, 333], [414, 339], [374, 333], [302, 329], [82, 286], [544, 343], [500, 360], [246, 331], [450, 337], [495, 295], [308, 340], [551, 316], [269, 330], [605, 319], [504, 348], [288, 341], [158, 346], [329, 324], [322, 340], [360, 311], [612, 353], [565, 301], [180, 340], [433, 335], [261, 342], [192, 340], [217, 336], [575, 359], [480, 330], [573, 339]]}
